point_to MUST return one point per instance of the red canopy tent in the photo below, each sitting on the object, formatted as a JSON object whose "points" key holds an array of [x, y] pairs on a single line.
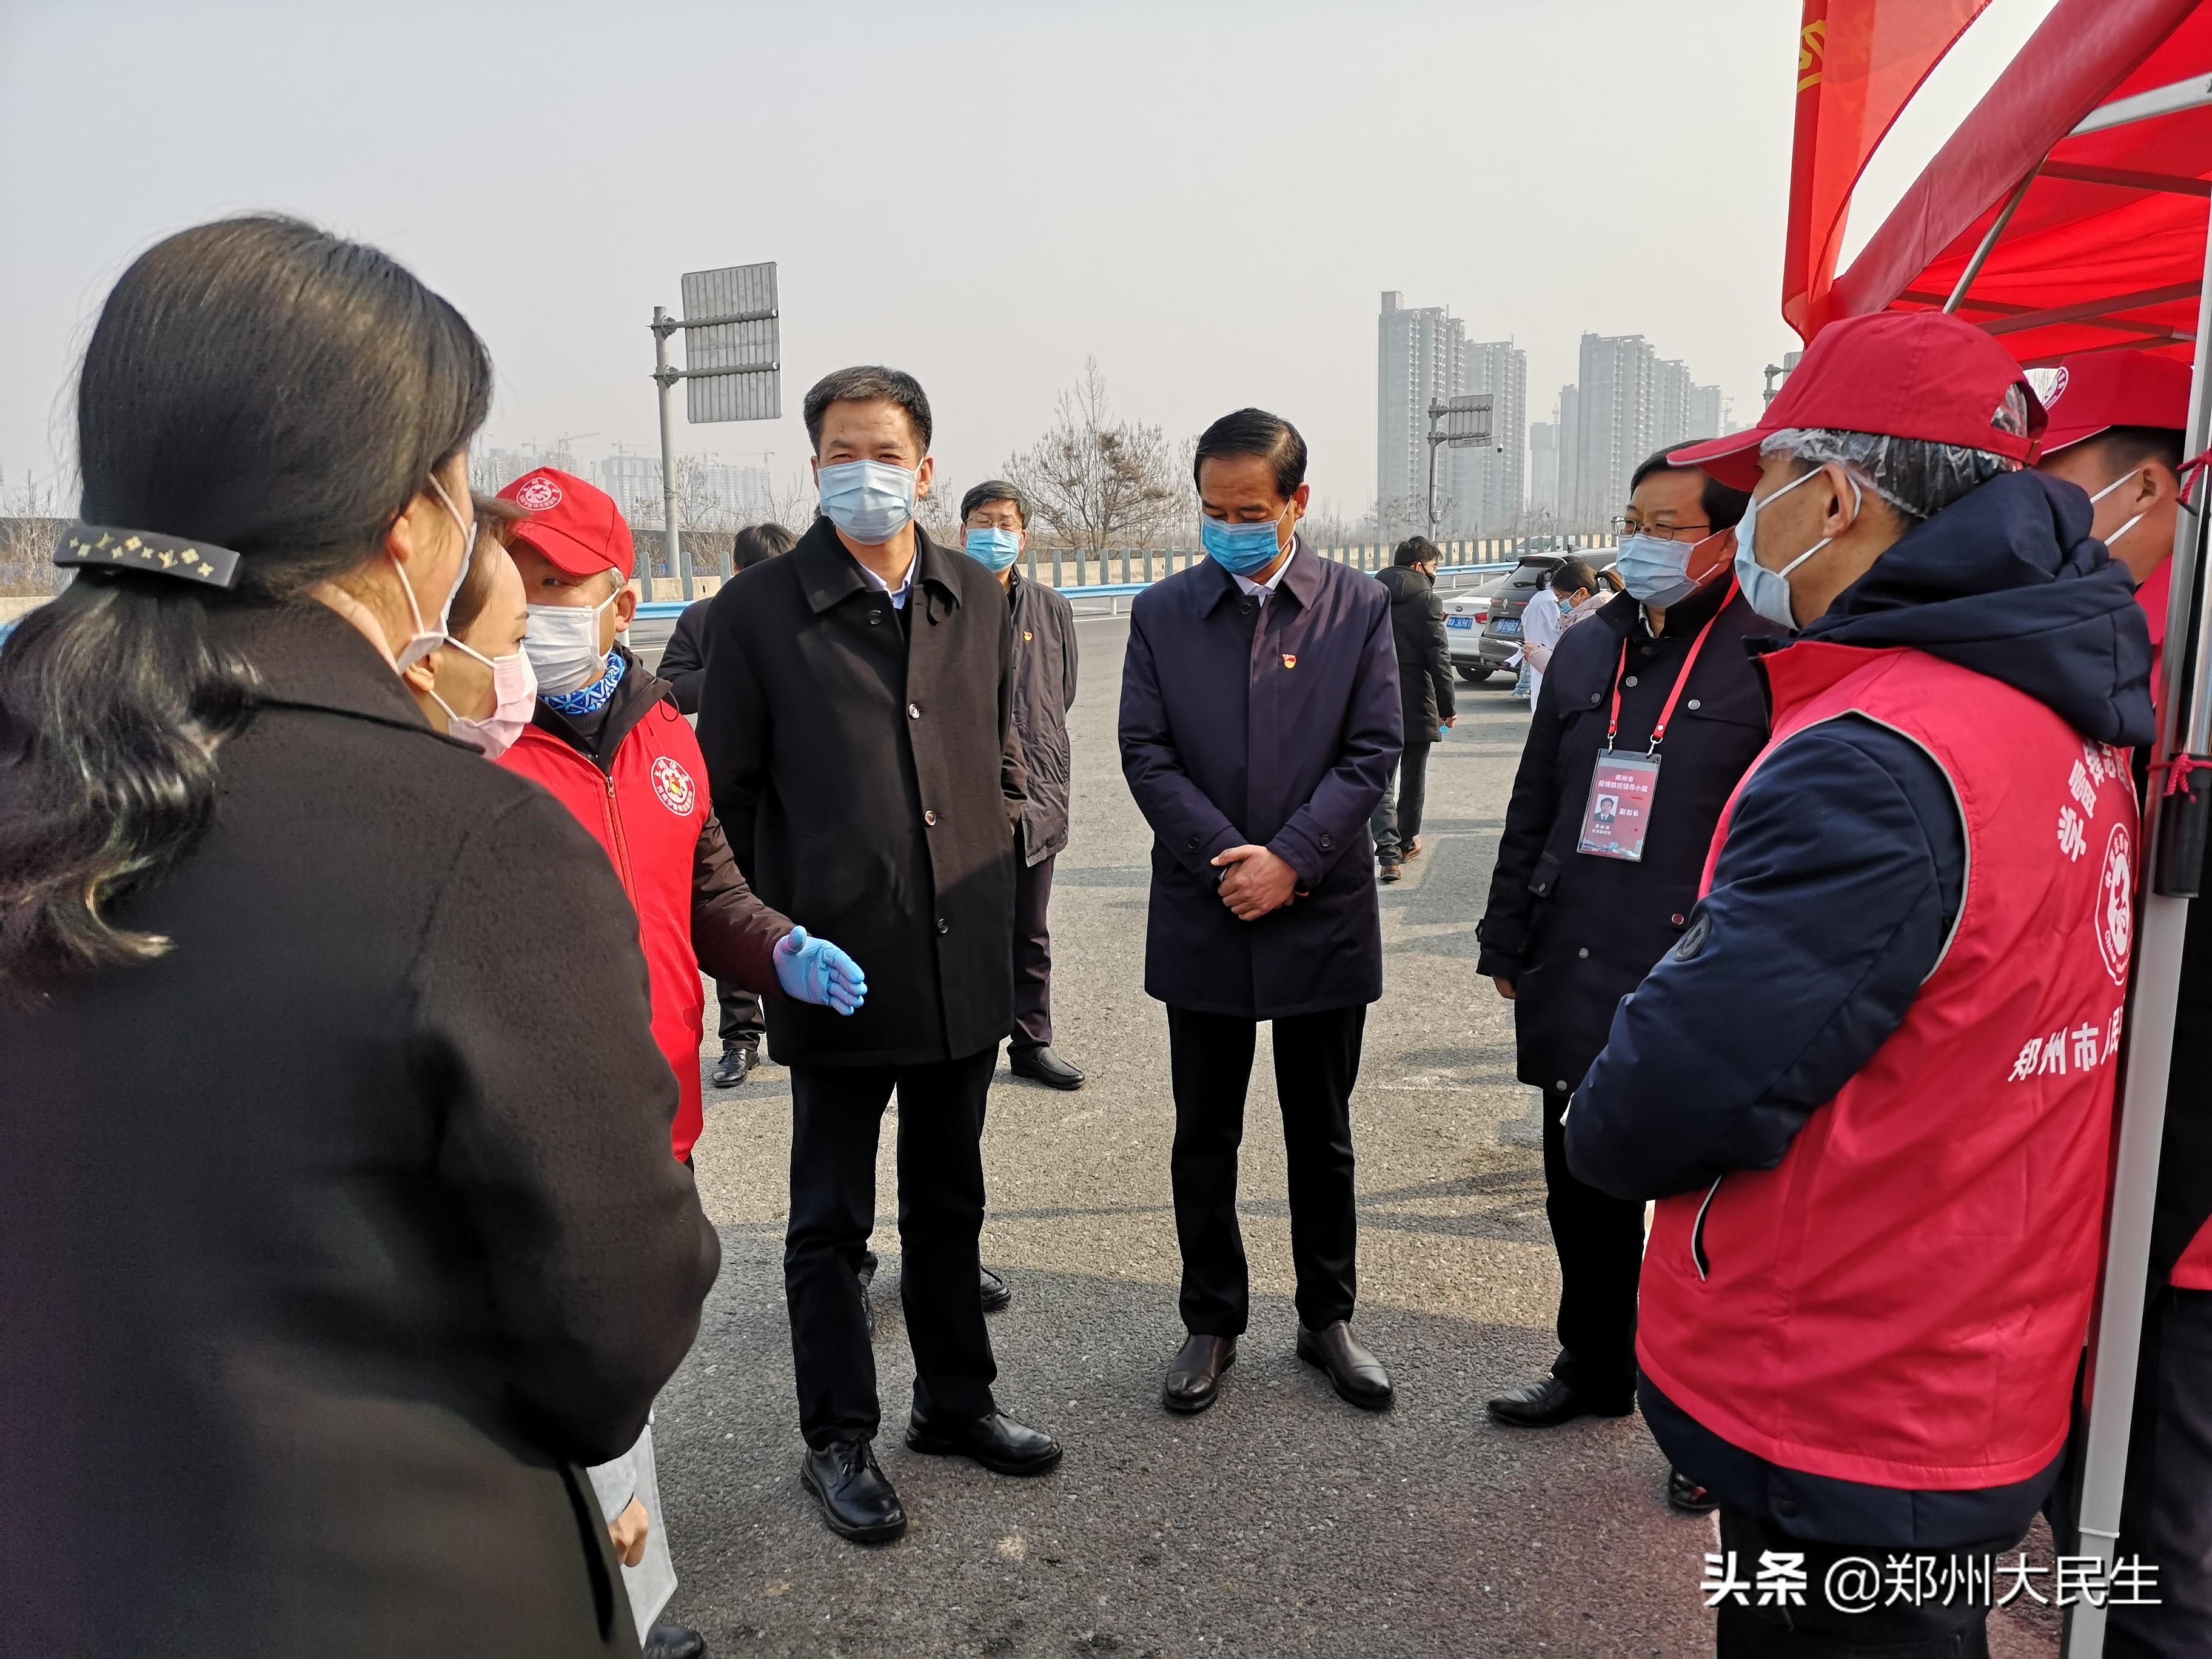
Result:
{"points": [[2106, 115], [2069, 213]]}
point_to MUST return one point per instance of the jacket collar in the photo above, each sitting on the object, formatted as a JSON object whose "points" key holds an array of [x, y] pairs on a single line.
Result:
{"points": [[828, 575], [305, 655], [1302, 579], [633, 700]]}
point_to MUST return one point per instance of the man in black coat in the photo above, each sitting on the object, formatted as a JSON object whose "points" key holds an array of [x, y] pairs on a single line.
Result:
{"points": [[858, 735], [1570, 931], [994, 520], [1424, 690], [1259, 722], [684, 665]]}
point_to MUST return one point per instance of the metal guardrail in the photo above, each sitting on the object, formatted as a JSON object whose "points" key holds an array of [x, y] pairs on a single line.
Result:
{"points": [[1114, 592]]}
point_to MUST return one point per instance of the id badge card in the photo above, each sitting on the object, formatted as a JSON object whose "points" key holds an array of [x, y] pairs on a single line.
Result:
{"points": [[1618, 814]]}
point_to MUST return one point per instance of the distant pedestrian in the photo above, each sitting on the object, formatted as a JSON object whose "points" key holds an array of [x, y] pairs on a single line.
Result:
{"points": [[1653, 693], [1424, 692], [858, 723], [994, 520], [335, 1243], [1260, 722], [1578, 592], [1540, 632], [739, 1026]]}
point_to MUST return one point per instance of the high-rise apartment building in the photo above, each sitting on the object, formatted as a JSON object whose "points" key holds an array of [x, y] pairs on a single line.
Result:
{"points": [[1489, 484], [1571, 426], [1616, 424], [1544, 468], [1707, 413], [711, 495], [1420, 357]]}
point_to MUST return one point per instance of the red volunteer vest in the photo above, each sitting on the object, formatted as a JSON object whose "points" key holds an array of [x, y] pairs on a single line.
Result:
{"points": [[647, 814], [1903, 1299]]}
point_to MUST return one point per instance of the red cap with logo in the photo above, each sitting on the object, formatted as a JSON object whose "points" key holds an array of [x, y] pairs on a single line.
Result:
{"points": [[1898, 374], [2096, 391], [575, 525]]}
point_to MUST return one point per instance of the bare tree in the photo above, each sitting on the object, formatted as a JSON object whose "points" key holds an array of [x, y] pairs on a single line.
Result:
{"points": [[939, 513], [1096, 481], [792, 502]]}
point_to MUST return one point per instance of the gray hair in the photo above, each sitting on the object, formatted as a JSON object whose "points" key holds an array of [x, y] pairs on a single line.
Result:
{"points": [[1916, 477]]}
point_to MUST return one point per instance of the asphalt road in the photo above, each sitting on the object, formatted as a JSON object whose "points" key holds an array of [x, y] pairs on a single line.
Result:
{"points": [[1282, 1521]]}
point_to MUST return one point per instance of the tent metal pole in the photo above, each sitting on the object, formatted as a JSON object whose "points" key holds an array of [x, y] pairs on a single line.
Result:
{"points": [[2184, 728], [1989, 242]]}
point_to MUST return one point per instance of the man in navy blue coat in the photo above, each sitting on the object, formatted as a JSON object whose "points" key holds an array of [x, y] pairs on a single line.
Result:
{"points": [[1260, 722]]}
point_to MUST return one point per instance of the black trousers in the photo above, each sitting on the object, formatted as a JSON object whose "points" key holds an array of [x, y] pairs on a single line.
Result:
{"points": [[2166, 1516], [1905, 1629], [740, 1011], [1600, 1240], [836, 1112], [1316, 1063], [1397, 821], [1032, 955]]}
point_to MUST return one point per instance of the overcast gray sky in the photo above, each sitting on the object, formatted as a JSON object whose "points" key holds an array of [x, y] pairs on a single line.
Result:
{"points": [[1209, 197]]}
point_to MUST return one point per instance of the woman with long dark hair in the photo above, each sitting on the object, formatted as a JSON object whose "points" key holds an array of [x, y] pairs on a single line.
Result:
{"points": [[335, 1242]]}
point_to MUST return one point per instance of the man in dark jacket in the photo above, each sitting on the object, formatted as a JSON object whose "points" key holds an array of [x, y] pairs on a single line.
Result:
{"points": [[1576, 917], [994, 520], [1259, 718], [1424, 690], [684, 665], [1866, 1090], [858, 725]]}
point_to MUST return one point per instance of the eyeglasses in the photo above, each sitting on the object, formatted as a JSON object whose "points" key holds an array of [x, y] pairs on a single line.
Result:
{"points": [[1665, 532]]}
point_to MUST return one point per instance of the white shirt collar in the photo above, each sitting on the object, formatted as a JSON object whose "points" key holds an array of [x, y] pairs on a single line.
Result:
{"points": [[1261, 589], [906, 581]]}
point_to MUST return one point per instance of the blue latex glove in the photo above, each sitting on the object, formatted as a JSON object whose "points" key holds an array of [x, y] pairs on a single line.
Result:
{"points": [[815, 970]]}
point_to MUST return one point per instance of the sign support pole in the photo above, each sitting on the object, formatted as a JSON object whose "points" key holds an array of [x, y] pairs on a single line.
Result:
{"points": [[666, 378]]}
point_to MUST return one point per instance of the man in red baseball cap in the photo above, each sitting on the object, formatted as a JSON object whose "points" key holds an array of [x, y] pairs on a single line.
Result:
{"points": [[1872, 1096], [2118, 430], [2117, 420], [608, 740]]}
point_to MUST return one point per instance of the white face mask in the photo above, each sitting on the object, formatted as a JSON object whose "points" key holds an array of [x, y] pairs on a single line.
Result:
{"points": [[424, 641], [514, 693], [2130, 524], [562, 644]]}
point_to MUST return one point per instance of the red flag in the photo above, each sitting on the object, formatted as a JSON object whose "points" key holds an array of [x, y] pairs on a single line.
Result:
{"points": [[1859, 62]]}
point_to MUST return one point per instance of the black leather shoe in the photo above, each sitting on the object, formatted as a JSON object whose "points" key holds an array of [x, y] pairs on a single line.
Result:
{"points": [[1388, 873], [1194, 1374], [1547, 1404], [1357, 1375], [996, 1291], [856, 1499], [738, 1061], [1043, 1065], [997, 1442], [1685, 1497], [674, 1642]]}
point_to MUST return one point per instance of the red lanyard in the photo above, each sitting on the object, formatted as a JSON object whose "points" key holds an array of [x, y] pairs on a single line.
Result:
{"points": [[1681, 679]]}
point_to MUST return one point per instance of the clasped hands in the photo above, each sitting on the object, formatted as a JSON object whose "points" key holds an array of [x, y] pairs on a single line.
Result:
{"points": [[1257, 883]]}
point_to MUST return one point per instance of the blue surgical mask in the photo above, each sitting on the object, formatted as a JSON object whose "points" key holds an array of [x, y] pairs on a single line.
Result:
{"points": [[1657, 570], [869, 501], [993, 547], [1240, 549], [1767, 592]]}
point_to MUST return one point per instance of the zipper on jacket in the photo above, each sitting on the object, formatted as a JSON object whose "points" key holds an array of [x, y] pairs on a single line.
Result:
{"points": [[1698, 1259], [622, 842]]}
